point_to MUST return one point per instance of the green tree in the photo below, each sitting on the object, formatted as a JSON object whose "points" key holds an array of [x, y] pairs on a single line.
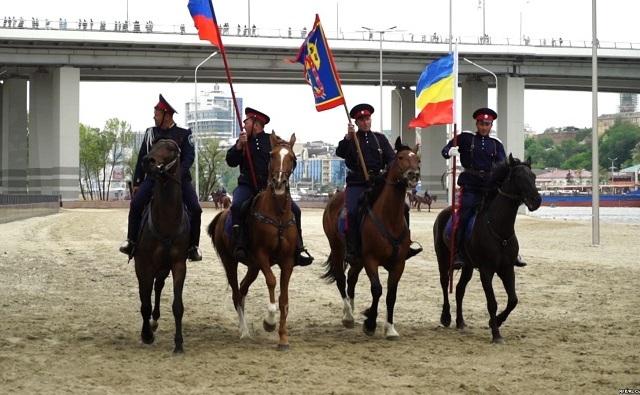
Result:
{"points": [[119, 134], [619, 142], [214, 171]]}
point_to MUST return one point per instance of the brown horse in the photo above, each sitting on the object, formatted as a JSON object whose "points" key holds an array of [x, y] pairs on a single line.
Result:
{"points": [[221, 200], [385, 241], [493, 246], [426, 199], [272, 240], [164, 240]]}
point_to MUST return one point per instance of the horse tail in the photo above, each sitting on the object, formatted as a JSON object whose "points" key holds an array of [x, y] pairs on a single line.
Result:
{"points": [[329, 275], [211, 229]]}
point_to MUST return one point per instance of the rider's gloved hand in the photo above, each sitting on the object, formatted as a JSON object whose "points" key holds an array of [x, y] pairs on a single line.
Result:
{"points": [[453, 151]]}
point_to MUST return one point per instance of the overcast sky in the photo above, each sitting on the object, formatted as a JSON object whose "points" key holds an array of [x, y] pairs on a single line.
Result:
{"points": [[291, 107]]}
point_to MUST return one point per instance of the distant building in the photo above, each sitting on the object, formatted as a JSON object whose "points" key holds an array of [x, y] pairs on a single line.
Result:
{"points": [[216, 115], [558, 135], [318, 167], [628, 102], [608, 120]]}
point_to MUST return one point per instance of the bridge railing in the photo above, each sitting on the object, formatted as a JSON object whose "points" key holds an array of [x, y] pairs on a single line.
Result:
{"points": [[238, 30]]}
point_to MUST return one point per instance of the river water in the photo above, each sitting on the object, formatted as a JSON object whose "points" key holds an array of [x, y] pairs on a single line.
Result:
{"points": [[629, 215]]}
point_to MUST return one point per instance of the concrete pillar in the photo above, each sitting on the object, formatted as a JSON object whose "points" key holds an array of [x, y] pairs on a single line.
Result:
{"points": [[13, 136], [54, 142], [403, 110], [432, 164], [511, 114], [474, 96]]}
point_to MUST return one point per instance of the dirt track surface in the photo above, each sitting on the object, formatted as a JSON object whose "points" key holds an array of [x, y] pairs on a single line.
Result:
{"points": [[70, 319]]}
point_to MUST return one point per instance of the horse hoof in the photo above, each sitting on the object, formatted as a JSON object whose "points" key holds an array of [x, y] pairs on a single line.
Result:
{"points": [[268, 327], [153, 324], [348, 323], [283, 347], [390, 332], [445, 321], [147, 340], [368, 331], [461, 326], [178, 350], [497, 340]]}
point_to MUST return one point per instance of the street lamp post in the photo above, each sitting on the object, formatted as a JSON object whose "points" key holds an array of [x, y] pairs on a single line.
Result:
{"points": [[494, 76], [613, 167], [381, 32], [481, 3], [195, 99]]}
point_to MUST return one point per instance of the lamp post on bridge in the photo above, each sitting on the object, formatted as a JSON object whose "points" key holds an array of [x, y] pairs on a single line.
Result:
{"points": [[495, 77], [381, 32]]}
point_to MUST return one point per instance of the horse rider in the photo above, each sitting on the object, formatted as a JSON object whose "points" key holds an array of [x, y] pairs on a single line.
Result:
{"points": [[143, 186], [259, 145], [478, 153], [378, 155]]}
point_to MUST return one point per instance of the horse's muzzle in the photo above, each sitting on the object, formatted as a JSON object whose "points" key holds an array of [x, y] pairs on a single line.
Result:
{"points": [[533, 203], [412, 177], [279, 186]]}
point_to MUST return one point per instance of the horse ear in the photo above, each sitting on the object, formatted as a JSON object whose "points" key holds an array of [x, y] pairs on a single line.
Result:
{"points": [[510, 158], [416, 149], [292, 140], [398, 144], [528, 162], [273, 139]]}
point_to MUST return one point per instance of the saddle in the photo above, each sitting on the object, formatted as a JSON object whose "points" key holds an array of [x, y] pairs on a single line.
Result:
{"points": [[469, 227], [244, 211]]}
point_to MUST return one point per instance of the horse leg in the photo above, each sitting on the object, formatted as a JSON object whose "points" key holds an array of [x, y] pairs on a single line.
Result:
{"points": [[285, 275], [178, 272], [249, 278], [507, 276], [269, 321], [369, 325], [155, 316], [349, 303], [445, 316], [145, 286], [486, 277], [392, 289], [465, 277]]}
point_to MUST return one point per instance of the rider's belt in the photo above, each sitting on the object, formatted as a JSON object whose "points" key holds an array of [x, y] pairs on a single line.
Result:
{"points": [[477, 173]]}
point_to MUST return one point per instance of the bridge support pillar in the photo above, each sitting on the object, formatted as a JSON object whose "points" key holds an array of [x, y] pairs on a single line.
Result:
{"points": [[54, 140], [13, 136], [511, 114], [474, 96], [403, 109], [432, 164]]}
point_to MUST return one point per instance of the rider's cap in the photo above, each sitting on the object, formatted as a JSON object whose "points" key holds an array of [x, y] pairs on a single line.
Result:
{"points": [[361, 110], [484, 114], [255, 114], [164, 105]]}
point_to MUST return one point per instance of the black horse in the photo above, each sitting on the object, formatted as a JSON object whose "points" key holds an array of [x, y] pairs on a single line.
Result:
{"points": [[492, 247]]}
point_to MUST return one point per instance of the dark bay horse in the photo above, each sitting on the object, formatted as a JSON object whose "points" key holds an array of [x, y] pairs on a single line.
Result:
{"points": [[426, 199], [493, 245], [272, 240], [385, 241], [221, 200], [163, 243]]}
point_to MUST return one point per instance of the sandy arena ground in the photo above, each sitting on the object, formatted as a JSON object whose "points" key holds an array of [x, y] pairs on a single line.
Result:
{"points": [[70, 319]]}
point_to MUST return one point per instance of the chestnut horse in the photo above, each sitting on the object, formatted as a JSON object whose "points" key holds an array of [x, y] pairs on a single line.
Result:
{"points": [[221, 200], [164, 240], [426, 199], [272, 240], [492, 247], [385, 240]]}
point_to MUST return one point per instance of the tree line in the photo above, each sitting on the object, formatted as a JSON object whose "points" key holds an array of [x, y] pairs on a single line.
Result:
{"points": [[102, 151], [621, 141]]}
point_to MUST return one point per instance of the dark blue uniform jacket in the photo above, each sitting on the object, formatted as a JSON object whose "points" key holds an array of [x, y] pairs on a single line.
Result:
{"points": [[376, 151], [477, 155]]}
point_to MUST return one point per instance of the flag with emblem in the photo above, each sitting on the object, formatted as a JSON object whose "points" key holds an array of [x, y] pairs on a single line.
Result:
{"points": [[435, 93], [319, 69]]}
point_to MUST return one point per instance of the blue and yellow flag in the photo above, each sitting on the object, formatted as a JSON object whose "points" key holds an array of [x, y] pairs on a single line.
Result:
{"points": [[319, 69]]}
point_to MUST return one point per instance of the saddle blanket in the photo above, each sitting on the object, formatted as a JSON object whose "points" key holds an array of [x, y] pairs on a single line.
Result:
{"points": [[467, 234]]}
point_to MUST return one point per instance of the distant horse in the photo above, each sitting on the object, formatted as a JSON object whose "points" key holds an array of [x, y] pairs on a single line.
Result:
{"points": [[164, 240], [272, 240], [426, 199], [385, 240], [221, 200], [411, 198], [493, 245]]}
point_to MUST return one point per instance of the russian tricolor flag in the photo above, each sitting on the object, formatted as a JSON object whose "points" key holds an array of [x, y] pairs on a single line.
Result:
{"points": [[205, 21]]}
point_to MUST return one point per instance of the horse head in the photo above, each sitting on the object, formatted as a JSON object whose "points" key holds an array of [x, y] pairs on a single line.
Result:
{"points": [[281, 164], [405, 168], [519, 182], [163, 159]]}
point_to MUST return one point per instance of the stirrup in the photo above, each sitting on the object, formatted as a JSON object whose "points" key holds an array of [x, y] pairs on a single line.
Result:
{"points": [[240, 254], [303, 258], [128, 247], [413, 251], [194, 254], [519, 262], [458, 262]]}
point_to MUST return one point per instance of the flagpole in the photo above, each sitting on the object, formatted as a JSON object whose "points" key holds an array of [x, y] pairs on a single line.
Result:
{"points": [[454, 210], [245, 148], [363, 165]]}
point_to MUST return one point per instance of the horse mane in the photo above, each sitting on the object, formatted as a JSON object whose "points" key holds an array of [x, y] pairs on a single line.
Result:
{"points": [[498, 174], [376, 182]]}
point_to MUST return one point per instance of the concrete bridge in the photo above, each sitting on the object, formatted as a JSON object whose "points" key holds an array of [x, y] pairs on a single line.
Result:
{"points": [[55, 61]]}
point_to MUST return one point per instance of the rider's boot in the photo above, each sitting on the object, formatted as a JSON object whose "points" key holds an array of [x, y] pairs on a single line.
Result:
{"points": [[127, 247], [414, 249], [239, 249], [353, 247], [303, 258], [194, 254], [519, 262]]}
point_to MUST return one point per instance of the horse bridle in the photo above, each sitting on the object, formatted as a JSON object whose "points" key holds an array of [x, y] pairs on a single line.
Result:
{"points": [[163, 168]]}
